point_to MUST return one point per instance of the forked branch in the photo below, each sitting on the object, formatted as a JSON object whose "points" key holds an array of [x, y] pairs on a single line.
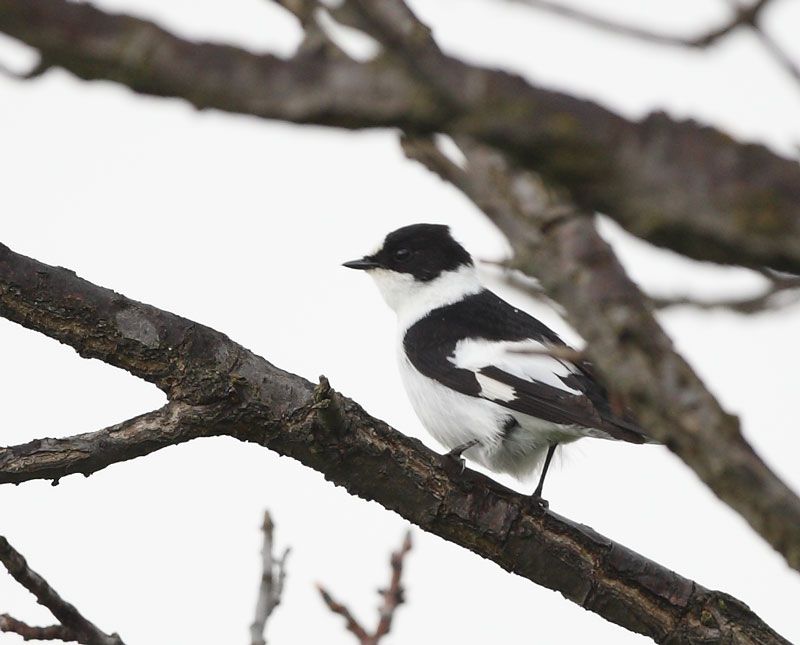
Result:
{"points": [[74, 626], [393, 596]]}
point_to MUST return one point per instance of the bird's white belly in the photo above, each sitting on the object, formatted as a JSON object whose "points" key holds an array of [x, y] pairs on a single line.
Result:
{"points": [[454, 419]]}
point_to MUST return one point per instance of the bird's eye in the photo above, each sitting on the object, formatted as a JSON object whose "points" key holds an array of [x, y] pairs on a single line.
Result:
{"points": [[401, 255]]}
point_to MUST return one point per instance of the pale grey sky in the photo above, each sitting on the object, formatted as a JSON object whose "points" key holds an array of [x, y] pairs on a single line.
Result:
{"points": [[241, 224]]}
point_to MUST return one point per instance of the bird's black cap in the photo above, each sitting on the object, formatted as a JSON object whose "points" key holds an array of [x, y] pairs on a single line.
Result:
{"points": [[422, 250]]}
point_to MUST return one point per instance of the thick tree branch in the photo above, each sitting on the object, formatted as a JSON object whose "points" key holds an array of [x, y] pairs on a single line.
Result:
{"points": [[74, 625], [335, 436], [580, 271], [676, 184]]}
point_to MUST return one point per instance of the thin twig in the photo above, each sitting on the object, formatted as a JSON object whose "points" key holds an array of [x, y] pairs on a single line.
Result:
{"points": [[782, 291], [393, 597], [561, 353], [743, 16], [273, 575], [778, 54], [350, 621], [81, 630]]}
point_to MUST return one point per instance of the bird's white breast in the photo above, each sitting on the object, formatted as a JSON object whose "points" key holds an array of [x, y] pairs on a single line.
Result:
{"points": [[452, 418]]}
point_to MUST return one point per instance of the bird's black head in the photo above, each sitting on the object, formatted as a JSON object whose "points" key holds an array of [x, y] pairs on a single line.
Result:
{"points": [[422, 250]]}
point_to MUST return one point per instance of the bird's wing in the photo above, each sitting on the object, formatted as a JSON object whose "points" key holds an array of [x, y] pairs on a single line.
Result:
{"points": [[499, 363], [525, 377]]}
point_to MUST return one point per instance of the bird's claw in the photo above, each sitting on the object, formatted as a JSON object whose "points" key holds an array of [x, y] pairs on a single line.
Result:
{"points": [[454, 456], [540, 502]]}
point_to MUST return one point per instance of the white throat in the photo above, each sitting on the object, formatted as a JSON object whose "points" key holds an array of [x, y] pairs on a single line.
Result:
{"points": [[412, 299]]}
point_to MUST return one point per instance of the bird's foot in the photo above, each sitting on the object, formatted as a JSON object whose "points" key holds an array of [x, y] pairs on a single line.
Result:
{"points": [[454, 456]]}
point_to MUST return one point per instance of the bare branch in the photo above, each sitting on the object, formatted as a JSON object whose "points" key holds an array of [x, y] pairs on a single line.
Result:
{"points": [[273, 575], [11, 625], [744, 16], [48, 458], [393, 597], [332, 434], [351, 623], [675, 184], [778, 54], [79, 628], [781, 292]]}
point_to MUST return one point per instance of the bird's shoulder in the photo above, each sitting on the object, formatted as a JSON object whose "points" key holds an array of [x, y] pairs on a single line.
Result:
{"points": [[484, 316]]}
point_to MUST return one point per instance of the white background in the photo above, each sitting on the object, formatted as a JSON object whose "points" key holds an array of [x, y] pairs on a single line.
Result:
{"points": [[241, 224]]}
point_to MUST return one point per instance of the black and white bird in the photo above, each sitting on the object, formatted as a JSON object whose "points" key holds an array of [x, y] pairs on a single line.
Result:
{"points": [[484, 377]]}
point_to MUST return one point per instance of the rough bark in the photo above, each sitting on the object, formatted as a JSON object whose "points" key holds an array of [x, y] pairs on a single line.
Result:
{"points": [[677, 184], [218, 387]]}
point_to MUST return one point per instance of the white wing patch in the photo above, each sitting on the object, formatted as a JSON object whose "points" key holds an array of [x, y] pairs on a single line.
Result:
{"points": [[523, 359], [491, 389]]}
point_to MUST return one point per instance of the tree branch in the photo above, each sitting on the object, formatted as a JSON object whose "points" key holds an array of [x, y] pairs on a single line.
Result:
{"points": [[273, 576], [351, 623], [580, 271], [73, 624], [332, 434], [743, 16], [11, 625], [781, 292], [677, 184], [393, 597], [87, 453]]}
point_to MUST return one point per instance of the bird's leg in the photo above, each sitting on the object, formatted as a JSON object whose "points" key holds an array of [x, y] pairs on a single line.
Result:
{"points": [[537, 494]]}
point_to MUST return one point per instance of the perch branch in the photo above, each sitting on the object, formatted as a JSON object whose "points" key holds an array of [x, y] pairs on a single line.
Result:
{"points": [[334, 435]]}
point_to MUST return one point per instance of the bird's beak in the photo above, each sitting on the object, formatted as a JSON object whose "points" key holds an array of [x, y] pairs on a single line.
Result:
{"points": [[364, 264]]}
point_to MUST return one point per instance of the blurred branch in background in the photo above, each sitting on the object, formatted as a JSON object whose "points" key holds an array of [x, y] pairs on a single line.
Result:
{"points": [[73, 627], [393, 597], [782, 290], [674, 183], [744, 15], [273, 576]]}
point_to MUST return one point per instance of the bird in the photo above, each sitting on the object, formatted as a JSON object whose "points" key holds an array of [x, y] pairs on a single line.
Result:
{"points": [[487, 380]]}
